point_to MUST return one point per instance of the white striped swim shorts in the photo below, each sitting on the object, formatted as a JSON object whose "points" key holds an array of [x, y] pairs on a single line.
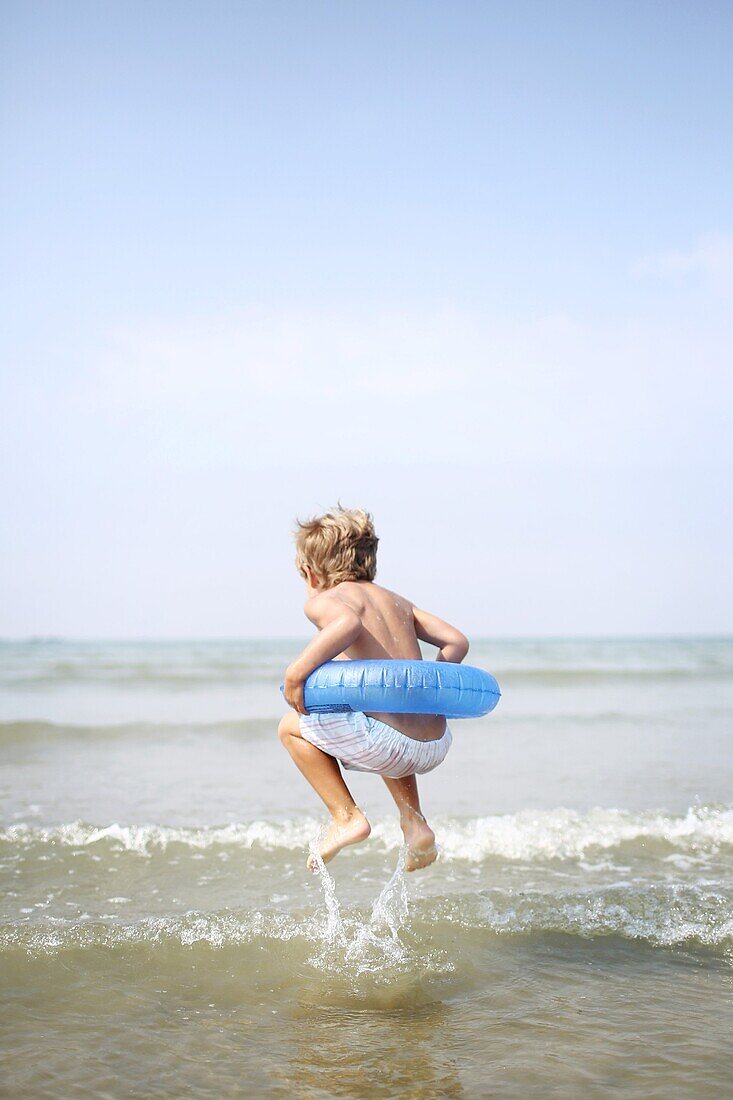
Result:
{"points": [[363, 744]]}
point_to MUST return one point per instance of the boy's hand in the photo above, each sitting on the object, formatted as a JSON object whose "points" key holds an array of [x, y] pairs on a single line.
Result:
{"points": [[293, 690]]}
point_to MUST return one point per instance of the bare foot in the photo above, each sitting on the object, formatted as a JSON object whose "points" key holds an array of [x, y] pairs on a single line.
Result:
{"points": [[338, 835], [420, 840]]}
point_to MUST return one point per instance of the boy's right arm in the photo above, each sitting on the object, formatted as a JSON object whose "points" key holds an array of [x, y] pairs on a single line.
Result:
{"points": [[338, 626], [453, 645]]}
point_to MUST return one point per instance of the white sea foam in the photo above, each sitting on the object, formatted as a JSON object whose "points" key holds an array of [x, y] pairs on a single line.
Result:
{"points": [[568, 834], [524, 836], [146, 839]]}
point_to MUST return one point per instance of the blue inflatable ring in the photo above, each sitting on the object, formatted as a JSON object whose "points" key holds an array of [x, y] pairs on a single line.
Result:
{"points": [[401, 687]]}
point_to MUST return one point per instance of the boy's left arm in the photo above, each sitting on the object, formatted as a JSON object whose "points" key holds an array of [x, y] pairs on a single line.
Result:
{"points": [[338, 626]]}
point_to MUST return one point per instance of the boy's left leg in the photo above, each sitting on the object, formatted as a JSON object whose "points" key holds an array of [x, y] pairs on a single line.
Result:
{"points": [[419, 837], [348, 823]]}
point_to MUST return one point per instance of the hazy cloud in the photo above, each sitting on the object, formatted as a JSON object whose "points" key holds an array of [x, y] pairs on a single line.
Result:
{"points": [[710, 258]]}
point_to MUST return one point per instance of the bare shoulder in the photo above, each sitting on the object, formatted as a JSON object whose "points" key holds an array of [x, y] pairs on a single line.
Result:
{"points": [[350, 593], [326, 606], [365, 595]]}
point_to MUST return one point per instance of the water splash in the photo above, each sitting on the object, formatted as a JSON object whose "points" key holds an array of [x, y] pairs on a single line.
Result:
{"points": [[361, 945], [334, 932], [377, 942], [391, 907]]}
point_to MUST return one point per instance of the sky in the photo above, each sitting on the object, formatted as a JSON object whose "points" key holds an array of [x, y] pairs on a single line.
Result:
{"points": [[466, 265]]}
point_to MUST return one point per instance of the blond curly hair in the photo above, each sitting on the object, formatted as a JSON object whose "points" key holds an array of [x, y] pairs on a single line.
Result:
{"points": [[340, 545]]}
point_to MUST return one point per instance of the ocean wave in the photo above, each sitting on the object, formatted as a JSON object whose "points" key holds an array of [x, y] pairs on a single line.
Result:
{"points": [[126, 677], [174, 664], [213, 929], [123, 675], [569, 834], [558, 834], [25, 731], [664, 915], [145, 840], [661, 915], [569, 675]]}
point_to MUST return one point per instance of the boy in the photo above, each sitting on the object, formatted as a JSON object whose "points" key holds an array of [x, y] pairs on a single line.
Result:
{"points": [[358, 620]]}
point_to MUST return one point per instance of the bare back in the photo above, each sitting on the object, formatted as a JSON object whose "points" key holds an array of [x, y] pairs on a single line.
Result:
{"points": [[388, 632]]}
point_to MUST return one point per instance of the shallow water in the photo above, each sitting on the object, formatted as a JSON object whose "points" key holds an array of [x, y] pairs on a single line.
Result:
{"points": [[160, 936]]}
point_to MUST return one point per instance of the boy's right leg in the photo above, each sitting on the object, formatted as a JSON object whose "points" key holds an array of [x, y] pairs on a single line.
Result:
{"points": [[348, 824], [419, 837]]}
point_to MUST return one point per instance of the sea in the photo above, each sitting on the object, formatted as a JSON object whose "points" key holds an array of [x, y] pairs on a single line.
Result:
{"points": [[160, 935]]}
